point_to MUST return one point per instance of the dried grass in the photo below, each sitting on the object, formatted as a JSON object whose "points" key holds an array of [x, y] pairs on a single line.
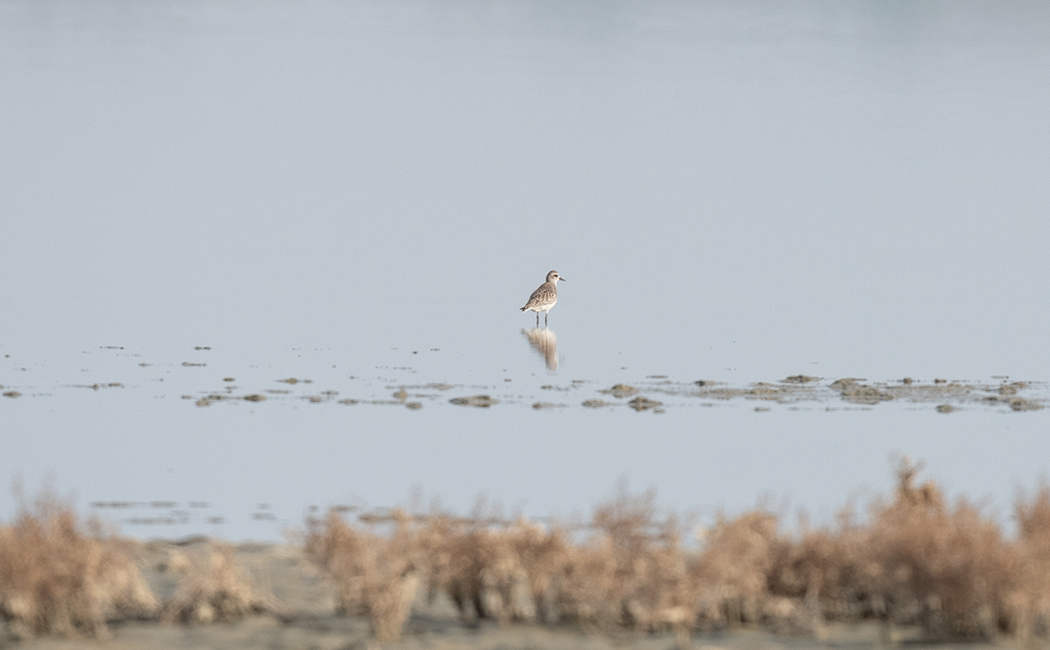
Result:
{"points": [[213, 590], [631, 570], [1028, 600], [944, 567], [911, 559], [541, 552], [733, 569], [375, 575], [64, 577]]}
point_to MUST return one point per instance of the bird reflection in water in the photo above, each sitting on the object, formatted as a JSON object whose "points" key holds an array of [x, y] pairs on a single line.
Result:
{"points": [[545, 342]]}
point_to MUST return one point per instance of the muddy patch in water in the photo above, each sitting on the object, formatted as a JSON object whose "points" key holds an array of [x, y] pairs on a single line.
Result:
{"points": [[385, 386]]}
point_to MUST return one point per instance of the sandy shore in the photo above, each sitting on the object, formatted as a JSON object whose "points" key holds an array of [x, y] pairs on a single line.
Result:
{"points": [[347, 634]]}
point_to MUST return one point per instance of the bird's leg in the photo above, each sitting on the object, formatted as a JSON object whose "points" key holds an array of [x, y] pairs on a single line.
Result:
{"points": [[537, 319], [545, 315]]}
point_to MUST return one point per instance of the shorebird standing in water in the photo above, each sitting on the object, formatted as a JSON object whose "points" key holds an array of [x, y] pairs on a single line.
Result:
{"points": [[543, 298]]}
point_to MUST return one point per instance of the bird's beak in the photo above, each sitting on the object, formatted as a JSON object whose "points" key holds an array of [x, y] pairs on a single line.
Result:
{"points": [[561, 278]]}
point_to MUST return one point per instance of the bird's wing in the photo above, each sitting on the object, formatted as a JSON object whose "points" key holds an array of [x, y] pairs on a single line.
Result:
{"points": [[543, 294]]}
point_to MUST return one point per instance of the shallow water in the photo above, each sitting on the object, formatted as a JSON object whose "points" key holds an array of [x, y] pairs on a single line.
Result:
{"points": [[363, 194], [171, 447]]}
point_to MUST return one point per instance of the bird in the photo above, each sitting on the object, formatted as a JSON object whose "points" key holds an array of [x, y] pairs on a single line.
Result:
{"points": [[543, 298]]}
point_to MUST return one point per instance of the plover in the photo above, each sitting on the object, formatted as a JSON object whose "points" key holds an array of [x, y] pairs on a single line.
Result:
{"points": [[543, 298]]}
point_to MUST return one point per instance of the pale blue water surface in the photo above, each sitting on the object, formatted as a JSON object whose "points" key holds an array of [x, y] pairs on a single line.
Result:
{"points": [[363, 193]]}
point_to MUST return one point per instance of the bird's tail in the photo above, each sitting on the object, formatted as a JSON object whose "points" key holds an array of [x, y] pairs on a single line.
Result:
{"points": [[522, 309]]}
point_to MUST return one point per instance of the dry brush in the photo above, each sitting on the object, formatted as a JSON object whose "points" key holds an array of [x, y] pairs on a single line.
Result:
{"points": [[913, 558]]}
